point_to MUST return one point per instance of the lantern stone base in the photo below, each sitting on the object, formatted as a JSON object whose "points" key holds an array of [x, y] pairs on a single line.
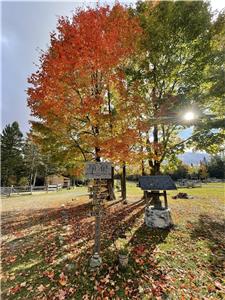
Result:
{"points": [[95, 261], [155, 218]]}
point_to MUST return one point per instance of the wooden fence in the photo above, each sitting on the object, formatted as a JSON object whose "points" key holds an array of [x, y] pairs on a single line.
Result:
{"points": [[21, 190]]}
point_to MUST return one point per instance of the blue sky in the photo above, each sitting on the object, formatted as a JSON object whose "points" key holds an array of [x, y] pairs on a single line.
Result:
{"points": [[25, 28]]}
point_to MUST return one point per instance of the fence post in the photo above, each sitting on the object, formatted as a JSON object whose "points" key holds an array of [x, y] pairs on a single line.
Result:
{"points": [[11, 190]]}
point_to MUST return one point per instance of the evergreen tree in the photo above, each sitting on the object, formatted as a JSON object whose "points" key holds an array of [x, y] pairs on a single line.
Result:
{"points": [[216, 167], [11, 154]]}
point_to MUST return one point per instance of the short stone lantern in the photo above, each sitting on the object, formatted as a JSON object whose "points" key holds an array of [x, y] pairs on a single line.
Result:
{"points": [[157, 215]]}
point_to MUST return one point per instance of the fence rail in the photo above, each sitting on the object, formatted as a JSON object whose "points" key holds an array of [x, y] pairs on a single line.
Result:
{"points": [[8, 191]]}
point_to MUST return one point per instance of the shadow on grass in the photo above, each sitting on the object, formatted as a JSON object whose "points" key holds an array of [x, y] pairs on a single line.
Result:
{"points": [[143, 269], [149, 236], [36, 252], [41, 251], [122, 202], [115, 225], [212, 231], [18, 221]]}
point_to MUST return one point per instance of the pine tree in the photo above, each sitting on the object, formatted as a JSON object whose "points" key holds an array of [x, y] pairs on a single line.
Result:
{"points": [[11, 154]]}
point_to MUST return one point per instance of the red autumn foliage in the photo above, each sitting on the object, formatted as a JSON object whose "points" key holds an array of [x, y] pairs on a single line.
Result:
{"points": [[81, 77]]}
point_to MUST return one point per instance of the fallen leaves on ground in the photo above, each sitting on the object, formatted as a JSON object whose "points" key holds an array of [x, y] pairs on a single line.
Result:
{"points": [[46, 253]]}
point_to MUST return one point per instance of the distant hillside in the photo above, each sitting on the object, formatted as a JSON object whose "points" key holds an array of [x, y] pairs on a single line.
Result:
{"points": [[193, 157]]}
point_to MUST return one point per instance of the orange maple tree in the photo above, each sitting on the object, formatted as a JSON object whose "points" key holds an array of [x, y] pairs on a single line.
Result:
{"points": [[80, 88]]}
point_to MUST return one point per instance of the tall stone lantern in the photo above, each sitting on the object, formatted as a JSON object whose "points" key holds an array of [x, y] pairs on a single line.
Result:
{"points": [[157, 215]]}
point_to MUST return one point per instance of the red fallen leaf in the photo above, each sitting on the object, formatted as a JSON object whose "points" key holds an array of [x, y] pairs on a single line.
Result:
{"points": [[49, 274], [155, 290], [18, 234], [11, 259], [211, 288], [139, 250], [111, 293], [15, 289], [189, 225], [139, 261], [99, 289], [63, 279]]}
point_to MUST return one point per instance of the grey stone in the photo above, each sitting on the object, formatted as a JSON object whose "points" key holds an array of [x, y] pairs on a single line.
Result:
{"points": [[95, 261], [155, 218], [70, 267]]}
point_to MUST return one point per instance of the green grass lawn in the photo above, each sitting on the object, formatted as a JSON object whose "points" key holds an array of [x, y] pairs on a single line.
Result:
{"points": [[47, 241]]}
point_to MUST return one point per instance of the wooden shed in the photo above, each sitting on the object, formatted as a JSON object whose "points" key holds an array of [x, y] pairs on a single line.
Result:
{"points": [[59, 180]]}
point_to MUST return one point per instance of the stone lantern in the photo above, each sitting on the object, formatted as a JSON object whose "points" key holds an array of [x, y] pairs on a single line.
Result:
{"points": [[157, 215]]}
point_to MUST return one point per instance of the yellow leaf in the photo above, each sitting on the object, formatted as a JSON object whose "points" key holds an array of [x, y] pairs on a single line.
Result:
{"points": [[63, 279]]}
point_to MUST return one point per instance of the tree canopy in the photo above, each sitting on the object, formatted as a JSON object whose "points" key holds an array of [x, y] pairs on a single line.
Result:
{"points": [[113, 79], [175, 45], [75, 92], [211, 93]]}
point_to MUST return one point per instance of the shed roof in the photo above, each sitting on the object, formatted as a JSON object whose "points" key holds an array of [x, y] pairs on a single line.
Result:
{"points": [[156, 183]]}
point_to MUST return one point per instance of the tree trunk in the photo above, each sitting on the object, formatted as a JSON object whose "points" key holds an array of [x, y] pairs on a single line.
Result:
{"points": [[110, 183], [35, 177], [97, 156], [110, 190], [142, 168], [31, 178], [112, 177], [156, 163], [123, 183], [155, 170], [143, 174], [6, 180]]}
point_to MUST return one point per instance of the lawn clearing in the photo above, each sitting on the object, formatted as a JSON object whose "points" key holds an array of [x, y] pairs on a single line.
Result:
{"points": [[46, 248]]}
